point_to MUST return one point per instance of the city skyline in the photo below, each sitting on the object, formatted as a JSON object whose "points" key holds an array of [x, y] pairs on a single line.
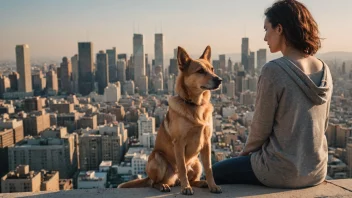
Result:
{"points": [[58, 26]]}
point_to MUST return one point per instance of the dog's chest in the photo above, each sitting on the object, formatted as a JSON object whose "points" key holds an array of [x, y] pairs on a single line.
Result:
{"points": [[196, 140]]}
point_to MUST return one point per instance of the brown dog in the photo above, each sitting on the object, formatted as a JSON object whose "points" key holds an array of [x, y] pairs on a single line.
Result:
{"points": [[186, 131]]}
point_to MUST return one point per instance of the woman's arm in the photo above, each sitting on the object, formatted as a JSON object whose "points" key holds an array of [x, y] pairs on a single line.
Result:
{"points": [[264, 114]]}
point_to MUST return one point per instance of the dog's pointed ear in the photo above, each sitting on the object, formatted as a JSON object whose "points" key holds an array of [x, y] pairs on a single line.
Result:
{"points": [[206, 54], [183, 58]]}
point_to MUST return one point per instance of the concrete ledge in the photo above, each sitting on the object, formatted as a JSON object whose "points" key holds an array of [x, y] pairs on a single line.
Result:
{"points": [[333, 188]]}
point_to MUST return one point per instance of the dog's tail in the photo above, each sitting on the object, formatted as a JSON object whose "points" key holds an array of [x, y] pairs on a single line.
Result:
{"points": [[137, 183]]}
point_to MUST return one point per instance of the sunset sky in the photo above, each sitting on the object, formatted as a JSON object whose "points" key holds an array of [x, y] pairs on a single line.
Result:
{"points": [[53, 28]]}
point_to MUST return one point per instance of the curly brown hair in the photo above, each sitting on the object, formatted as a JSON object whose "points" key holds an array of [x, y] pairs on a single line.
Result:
{"points": [[299, 27]]}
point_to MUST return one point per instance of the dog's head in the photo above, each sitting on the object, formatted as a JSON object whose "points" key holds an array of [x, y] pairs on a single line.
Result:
{"points": [[198, 75]]}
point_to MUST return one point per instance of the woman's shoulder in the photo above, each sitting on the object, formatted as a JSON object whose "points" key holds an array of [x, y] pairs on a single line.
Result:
{"points": [[271, 68]]}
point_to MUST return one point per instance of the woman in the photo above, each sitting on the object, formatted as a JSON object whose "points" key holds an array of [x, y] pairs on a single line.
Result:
{"points": [[286, 146]]}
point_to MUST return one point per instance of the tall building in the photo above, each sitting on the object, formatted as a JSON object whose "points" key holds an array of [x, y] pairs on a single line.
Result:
{"points": [[138, 59], [14, 77], [21, 180], [159, 51], [222, 59], [36, 122], [251, 64], [173, 68], [4, 85], [146, 124], [38, 82], [6, 140], [32, 104], [75, 73], [66, 75], [112, 92], [85, 67], [261, 58], [102, 73], [50, 153], [15, 125], [245, 53], [51, 83], [230, 89], [112, 55], [121, 71], [24, 68]]}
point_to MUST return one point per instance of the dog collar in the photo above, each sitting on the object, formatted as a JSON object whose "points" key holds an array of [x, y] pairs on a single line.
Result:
{"points": [[188, 101]]}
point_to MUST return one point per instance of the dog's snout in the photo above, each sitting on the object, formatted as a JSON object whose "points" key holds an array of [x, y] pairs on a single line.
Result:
{"points": [[217, 79]]}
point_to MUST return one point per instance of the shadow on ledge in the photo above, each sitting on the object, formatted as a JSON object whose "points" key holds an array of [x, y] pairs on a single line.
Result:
{"points": [[334, 188]]}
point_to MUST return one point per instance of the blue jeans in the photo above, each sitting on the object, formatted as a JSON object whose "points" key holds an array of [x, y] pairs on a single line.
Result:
{"points": [[236, 170]]}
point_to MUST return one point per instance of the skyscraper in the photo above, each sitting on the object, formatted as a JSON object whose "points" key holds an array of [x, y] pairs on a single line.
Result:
{"points": [[222, 59], [24, 68], [159, 51], [66, 73], [138, 59], [14, 77], [75, 73], [112, 64], [85, 67], [261, 57], [121, 70], [245, 53], [102, 71], [51, 83], [251, 64]]}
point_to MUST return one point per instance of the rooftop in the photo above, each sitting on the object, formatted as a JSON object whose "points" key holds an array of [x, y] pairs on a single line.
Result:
{"points": [[332, 188]]}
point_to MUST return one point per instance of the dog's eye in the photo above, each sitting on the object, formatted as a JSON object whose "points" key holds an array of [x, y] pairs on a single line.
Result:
{"points": [[212, 69], [201, 71]]}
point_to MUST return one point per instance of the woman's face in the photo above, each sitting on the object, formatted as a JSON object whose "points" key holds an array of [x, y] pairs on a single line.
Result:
{"points": [[273, 36]]}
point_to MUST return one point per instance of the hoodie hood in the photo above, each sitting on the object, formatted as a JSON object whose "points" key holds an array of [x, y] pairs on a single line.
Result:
{"points": [[317, 94]]}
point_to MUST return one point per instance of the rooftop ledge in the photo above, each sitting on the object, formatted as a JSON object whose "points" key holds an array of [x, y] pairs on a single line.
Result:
{"points": [[333, 188]]}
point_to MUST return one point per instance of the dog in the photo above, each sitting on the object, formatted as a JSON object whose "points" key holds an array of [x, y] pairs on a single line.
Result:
{"points": [[185, 132]]}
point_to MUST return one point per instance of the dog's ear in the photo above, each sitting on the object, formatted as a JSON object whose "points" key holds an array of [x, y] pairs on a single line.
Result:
{"points": [[183, 58], [206, 54]]}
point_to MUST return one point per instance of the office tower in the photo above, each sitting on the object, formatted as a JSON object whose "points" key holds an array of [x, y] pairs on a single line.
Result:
{"points": [[102, 71], [159, 51], [14, 77], [75, 73], [245, 53], [36, 123], [216, 65], [23, 64], [261, 58], [121, 71], [251, 64], [112, 92], [50, 153], [222, 59], [173, 68], [85, 67], [112, 55], [51, 83], [38, 82], [66, 75], [138, 59], [33, 104], [4, 84]]}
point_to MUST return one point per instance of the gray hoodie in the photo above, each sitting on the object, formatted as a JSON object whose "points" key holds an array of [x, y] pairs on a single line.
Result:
{"points": [[287, 136]]}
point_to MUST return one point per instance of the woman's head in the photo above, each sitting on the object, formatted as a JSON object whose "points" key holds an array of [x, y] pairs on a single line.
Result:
{"points": [[289, 23]]}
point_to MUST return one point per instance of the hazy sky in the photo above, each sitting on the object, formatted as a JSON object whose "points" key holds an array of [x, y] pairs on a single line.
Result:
{"points": [[53, 27]]}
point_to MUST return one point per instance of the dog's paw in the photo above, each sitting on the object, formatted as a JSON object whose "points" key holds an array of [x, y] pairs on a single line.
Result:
{"points": [[187, 190], [215, 189], [165, 188]]}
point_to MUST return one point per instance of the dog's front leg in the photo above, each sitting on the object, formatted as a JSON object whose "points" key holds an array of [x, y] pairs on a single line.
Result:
{"points": [[179, 149], [205, 155]]}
